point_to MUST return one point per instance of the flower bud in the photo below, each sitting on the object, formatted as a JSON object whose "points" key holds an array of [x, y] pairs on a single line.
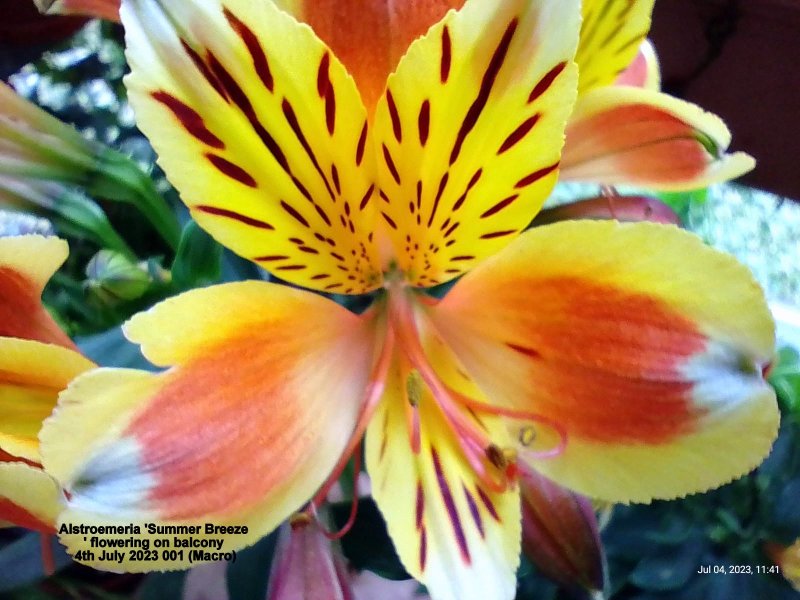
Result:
{"points": [[305, 566], [560, 534], [111, 277]]}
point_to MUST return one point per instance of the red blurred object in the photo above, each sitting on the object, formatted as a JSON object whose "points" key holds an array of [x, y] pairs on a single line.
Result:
{"points": [[621, 208]]}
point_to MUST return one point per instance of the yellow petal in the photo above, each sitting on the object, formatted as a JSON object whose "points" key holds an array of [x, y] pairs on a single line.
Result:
{"points": [[31, 376], [369, 37], [261, 130], [641, 344], [26, 264], [243, 428], [626, 135], [451, 532], [469, 133], [611, 33], [28, 497]]}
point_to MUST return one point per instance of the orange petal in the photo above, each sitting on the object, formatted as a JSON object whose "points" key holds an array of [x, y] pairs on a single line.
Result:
{"points": [[626, 135], [26, 264], [643, 345], [257, 408], [369, 37]]}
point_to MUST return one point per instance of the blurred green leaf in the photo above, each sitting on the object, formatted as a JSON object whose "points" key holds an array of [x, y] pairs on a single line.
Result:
{"points": [[197, 262]]}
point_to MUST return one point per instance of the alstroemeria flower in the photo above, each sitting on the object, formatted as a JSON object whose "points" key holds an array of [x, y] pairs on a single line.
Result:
{"points": [[623, 130], [597, 353], [37, 360]]}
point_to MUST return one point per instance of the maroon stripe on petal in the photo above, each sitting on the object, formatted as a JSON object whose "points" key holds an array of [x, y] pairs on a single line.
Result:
{"points": [[190, 119], [519, 133], [473, 509], [424, 122], [496, 234], [397, 127], [487, 502], [536, 176], [419, 509], [487, 83], [260, 63], [499, 206], [546, 81], [232, 170], [362, 142], [204, 70], [230, 214], [447, 55], [293, 212], [450, 505]]}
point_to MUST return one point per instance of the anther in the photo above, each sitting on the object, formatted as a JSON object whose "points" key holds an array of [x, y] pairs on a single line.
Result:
{"points": [[497, 457], [298, 520], [527, 435], [414, 387]]}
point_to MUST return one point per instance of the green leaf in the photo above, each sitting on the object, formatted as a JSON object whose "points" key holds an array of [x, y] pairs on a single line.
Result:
{"points": [[785, 378], [197, 262]]}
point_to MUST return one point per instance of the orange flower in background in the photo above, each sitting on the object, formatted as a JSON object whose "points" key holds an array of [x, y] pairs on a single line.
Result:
{"points": [[101, 9], [619, 134], [787, 558], [37, 361], [593, 353]]}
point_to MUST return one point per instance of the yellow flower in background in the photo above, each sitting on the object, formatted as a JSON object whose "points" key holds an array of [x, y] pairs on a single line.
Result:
{"points": [[594, 353], [37, 361], [634, 134]]}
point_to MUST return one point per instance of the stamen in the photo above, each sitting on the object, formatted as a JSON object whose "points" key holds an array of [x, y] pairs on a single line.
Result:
{"points": [[527, 434], [471, 439], [351, 519]]}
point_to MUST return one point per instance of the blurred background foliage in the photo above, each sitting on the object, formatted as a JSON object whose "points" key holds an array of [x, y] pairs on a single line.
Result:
{"points": [[652, 551]]}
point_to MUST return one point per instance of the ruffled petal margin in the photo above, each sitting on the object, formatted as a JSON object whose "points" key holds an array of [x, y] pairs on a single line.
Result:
{"points": [[643, 345], [635, 136], [256, 409]]}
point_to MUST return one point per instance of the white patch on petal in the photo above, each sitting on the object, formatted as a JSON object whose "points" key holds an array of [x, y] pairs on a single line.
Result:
{"points": [[113, 482]]}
